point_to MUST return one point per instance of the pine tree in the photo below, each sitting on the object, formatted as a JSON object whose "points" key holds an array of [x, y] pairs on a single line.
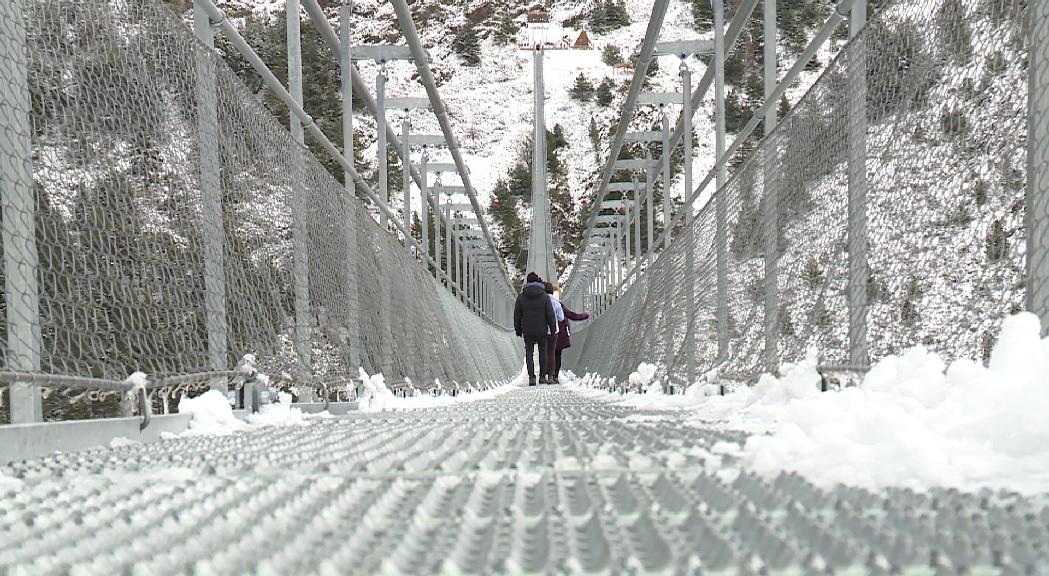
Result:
{"points": [[953, 30], [746, 237], [954, 123], [595, 139], [556, 139], [610, 55], [582, 90], [599, 17], [467, 44], [617, 15], [737, 112], [784, 106], [702, 15], [604, 93], [506, 27], [520, 182], [997, 242]]}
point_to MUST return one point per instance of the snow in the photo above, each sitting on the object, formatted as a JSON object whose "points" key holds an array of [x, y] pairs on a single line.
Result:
{"points": [[120, 442], [9, 482], [376, 396], [280, 413], [211, 415], [914, 422]]}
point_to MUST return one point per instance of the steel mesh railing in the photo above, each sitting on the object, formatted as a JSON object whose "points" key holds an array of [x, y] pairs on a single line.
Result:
{"points": [[937, 103], [105, 123], [1037, 222]]}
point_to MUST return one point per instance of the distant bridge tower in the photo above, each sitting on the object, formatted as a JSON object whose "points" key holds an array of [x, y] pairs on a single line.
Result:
{"points": [[538, 27], [540, 257]]}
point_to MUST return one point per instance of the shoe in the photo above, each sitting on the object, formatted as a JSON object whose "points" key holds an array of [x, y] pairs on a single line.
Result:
{"points": [[542, 379], [555, 380], [531, 380]]}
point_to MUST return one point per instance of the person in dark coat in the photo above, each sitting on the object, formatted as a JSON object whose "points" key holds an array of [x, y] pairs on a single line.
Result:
{"points": [[533, 320], [564, 338]]}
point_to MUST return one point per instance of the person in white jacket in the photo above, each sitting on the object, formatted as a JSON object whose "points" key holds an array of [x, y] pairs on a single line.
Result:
{"points": [[551, 337]]}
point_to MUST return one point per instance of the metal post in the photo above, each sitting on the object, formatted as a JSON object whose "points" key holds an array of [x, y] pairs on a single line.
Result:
{"points": [[424, 206], [475, 280], [602, 284], [690, 253], [468, 278], [386, 286], [460, 255], [380, 149], [352, 294], [650, 181], [475, 283], [21, 290], [857, 232], [1038, 166], [539, 259], [667, 206], [438, 266], [448, 225], [211, 196], [637, 224], [770, 215], [299, 203], [406, 172], [721, 206], [626, 239]]}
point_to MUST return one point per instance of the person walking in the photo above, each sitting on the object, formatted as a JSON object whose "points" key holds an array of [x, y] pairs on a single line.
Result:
{"points": [[534, 320], [564, 338], [551, 337]]}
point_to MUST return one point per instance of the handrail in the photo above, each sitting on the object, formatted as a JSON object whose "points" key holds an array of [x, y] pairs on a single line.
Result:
{"points": [[68, 381]]}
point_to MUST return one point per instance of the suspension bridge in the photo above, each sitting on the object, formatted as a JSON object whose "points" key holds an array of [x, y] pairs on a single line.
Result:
{"points": [[164, 235]]}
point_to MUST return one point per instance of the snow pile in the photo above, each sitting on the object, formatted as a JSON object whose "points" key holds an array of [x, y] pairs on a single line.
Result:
{"points": [[280, 413], [9, 482], [121, 442], [914, 423], [645, 379], [799, 381], [375, 395], [211, 414]]}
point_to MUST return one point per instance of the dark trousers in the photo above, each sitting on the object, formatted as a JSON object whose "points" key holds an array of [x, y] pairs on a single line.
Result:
{"points": [[557, 361], [530, 345], [551, 355]]}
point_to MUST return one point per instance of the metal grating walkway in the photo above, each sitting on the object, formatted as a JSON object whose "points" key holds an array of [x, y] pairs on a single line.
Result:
{"points": [[535, 481]]}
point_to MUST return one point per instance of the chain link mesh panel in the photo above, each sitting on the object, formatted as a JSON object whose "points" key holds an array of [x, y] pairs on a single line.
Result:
{"points": [[1038, 148], [940, 91], [114, 129]]}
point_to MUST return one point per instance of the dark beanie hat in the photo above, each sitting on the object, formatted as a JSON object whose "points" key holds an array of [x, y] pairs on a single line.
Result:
{"points": [[533, 277]]}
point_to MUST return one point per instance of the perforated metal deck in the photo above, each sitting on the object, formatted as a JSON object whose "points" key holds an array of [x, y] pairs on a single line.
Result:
{"points": [[535, 481]]}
